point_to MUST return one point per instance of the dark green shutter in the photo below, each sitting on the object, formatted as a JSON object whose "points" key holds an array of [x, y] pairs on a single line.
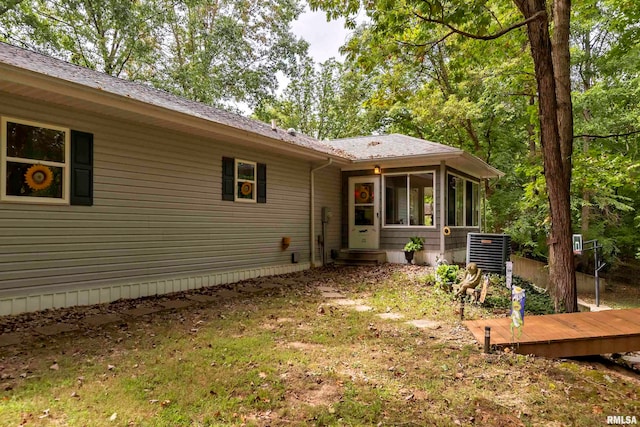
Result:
{"points": [[81, 168], [228, 179], [262, 183]]}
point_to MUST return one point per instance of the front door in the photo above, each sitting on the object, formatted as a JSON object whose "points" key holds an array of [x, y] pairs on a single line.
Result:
{"points": [[364, 214]]}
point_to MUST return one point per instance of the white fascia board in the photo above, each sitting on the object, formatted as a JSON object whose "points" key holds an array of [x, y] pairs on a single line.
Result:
{"points": [[401, 161], [457, 159]]}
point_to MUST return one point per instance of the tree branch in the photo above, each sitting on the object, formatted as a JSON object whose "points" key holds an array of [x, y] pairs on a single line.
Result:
{"points": [[537, 15], [613, 135], [10, 5]]}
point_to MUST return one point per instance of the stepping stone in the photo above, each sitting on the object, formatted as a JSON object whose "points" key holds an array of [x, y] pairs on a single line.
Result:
{"points": [[10, 339], [326, 289], [56, 329], [391, 316], [202, 298], [175, 304], [101, 319], [424, 324], [363, 308], [628, 358], [347, 302], [141, 311], [332, 295]]}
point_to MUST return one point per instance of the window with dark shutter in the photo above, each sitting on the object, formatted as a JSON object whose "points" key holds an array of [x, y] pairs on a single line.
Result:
{"points": [[228, 178], [81, 168], [262, 183], [35, 159], [244, 180]]}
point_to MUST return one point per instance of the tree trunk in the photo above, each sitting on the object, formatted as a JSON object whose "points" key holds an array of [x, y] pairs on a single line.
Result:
{"points": [[561, 264], [562, 72]]}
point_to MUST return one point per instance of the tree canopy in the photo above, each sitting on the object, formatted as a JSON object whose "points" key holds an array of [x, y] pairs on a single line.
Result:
{"points": [[219, 52]]}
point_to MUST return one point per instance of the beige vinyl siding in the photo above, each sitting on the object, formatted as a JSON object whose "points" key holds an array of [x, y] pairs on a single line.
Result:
{"points": [[157, 213], [327, 185]]}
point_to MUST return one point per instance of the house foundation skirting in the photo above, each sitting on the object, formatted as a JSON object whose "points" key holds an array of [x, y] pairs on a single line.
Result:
{"points": [[427, 257], [104, 294]]}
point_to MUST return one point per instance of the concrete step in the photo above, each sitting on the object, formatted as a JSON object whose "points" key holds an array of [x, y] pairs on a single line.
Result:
{"points": [[361, 257], [585, 306]]}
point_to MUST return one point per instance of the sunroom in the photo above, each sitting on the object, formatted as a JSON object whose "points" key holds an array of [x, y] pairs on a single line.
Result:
{"points": [[399, 187]]}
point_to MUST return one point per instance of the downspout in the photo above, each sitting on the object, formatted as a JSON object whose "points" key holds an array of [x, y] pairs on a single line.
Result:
{"points": [[443, 198], [312, 214], [483, 222]]}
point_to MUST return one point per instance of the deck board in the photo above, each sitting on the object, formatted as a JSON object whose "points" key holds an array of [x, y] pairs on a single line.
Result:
{"points": [[568, 334]]}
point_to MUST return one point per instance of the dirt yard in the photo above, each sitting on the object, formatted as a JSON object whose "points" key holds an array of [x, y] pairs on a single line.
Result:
{"points": [[333, 346]]}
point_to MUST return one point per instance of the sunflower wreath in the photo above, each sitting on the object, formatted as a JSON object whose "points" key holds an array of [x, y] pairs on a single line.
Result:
{"points": [[38, 177], [246, 189], [362, 196]]}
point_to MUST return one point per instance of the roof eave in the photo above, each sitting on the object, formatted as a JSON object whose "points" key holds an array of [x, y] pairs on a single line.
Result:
{"points": [[482, 169], [97, 96]]}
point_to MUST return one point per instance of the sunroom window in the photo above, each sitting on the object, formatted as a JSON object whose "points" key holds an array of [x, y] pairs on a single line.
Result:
{"points": [[409, 199], [463, 202], [35, 162]]}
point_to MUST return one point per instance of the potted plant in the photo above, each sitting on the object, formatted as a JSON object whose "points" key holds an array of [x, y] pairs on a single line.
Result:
{"points": [[415, 244]]}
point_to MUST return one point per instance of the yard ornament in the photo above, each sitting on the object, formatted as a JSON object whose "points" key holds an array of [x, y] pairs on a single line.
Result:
{"points": [[517, 312], [471, 280]]}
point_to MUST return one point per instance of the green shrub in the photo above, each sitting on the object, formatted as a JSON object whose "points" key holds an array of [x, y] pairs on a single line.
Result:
{"points": [[538, 300], [446, 276], [415, 244]]}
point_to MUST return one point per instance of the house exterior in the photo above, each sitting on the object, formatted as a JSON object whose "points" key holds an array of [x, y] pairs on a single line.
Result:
{"points": [[425, 189], [111, 189]]}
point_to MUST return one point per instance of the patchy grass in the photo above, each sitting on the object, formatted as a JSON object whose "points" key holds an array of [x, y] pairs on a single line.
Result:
{"points": [[294, 358]]}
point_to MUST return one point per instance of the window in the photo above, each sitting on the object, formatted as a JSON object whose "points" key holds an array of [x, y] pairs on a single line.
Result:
{"points": [[409, 199], [35, 162], [244, 181], [463, 202]]}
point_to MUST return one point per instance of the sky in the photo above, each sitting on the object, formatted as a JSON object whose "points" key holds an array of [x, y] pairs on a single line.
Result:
{"points": [[324, 38]]}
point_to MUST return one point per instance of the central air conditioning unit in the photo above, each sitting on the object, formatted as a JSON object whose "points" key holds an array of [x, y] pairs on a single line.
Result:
{"points": [[490, 252]]}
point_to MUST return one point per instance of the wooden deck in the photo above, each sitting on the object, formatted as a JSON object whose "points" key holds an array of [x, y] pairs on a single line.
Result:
{"points": [[566, 335]]}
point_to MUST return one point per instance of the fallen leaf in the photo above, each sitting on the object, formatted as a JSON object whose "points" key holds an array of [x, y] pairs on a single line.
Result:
{"points": [[113, 416], [596, 410], [55, 366]]}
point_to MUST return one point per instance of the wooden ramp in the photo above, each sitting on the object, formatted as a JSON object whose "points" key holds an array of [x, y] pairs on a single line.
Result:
{"points": [[566, 335]]}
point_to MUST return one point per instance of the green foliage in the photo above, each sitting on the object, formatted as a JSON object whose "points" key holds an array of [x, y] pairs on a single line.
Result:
{"points": [[446, 276], [415, 244], [220, 53], [538, 301], [324, 102]]}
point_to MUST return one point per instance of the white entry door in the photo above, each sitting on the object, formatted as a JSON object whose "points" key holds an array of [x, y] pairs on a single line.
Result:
{"points": [[364, 212]]}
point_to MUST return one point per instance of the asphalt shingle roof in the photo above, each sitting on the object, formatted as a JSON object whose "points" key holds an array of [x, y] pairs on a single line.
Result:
{"points": [[42, 64], [392, 145], [350, 149]]}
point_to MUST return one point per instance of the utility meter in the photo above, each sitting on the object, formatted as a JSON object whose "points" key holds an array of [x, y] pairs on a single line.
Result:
{"points": [[326, 214]]}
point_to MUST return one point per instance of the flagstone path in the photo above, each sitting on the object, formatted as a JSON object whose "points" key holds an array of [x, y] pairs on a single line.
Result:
{"points": [[335, 297]]}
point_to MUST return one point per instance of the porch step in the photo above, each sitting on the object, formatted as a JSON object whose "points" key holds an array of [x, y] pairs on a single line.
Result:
{"points": [[361, 257]]}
